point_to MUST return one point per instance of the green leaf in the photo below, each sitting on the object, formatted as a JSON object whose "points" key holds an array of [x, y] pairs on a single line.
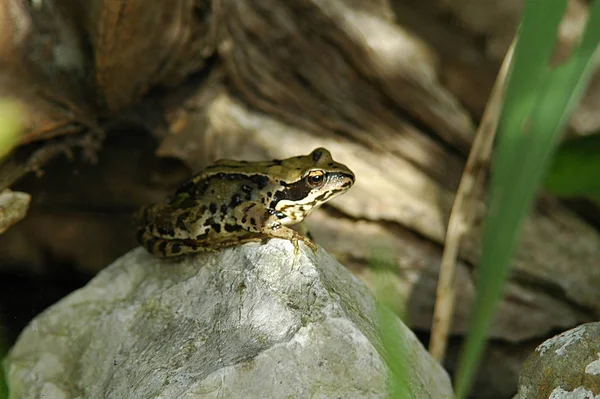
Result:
{"points": [[575, 167], [10, 126]]}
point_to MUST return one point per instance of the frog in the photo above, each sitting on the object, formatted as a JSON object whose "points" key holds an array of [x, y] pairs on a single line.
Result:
{"points": [[234, 202]]}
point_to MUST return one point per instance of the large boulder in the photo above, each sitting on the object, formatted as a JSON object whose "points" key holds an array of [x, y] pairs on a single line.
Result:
{"points": [[255, 321]]}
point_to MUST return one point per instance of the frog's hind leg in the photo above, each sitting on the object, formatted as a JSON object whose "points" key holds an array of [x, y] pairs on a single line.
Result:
{"points": [[142, 216], [153, 216], [159, 221], [169, 248]]}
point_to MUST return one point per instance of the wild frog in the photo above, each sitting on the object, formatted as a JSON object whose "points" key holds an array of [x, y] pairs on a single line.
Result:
{"points": [[234, 202]]}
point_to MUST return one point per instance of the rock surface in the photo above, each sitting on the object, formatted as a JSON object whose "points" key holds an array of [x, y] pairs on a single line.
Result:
{"points": [[565, 366], [255, 321]]}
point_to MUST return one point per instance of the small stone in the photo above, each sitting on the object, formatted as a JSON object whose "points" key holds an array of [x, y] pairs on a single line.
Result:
{"points": [[564, 366]]}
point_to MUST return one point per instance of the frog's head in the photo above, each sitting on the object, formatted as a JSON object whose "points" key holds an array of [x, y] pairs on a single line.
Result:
{"points": [[309, 182]]}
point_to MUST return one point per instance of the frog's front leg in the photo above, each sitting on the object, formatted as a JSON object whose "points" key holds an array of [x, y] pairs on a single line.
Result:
{"points": [[302, 229], [255, 218]]}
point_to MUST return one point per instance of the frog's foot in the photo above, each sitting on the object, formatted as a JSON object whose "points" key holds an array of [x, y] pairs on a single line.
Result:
{"points": [[281, 231], [302, 229], [310, 243], [293, 236]]}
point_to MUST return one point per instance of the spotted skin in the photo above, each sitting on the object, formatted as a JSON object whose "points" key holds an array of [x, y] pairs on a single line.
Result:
{"points": [[234, 202]]}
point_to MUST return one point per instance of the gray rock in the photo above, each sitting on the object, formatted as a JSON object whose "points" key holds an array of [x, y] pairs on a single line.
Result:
{"points": [[255, 321], [564, 366]]}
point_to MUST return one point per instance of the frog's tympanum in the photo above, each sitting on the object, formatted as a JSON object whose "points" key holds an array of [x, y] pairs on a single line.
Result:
{"points": [[233, 202]]}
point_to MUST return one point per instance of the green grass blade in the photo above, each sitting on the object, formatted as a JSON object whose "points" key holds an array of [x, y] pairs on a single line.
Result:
{"points": [[529, 71], [398, 383], [382, 265], [538, 104]]}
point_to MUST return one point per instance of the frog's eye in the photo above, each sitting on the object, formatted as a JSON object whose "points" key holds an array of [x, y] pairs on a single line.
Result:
{"points": [[316, 178]]}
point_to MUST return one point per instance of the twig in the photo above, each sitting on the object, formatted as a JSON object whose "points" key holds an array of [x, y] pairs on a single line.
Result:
{"points": [[461, 216]]}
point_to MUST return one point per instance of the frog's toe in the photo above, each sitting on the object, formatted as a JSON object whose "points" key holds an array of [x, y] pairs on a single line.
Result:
{"points": [[309, 243], [294, 241], [312, 245]]}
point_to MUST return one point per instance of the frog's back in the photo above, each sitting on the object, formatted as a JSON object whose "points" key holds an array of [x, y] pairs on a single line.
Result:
{"points": [[223, 188]]}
